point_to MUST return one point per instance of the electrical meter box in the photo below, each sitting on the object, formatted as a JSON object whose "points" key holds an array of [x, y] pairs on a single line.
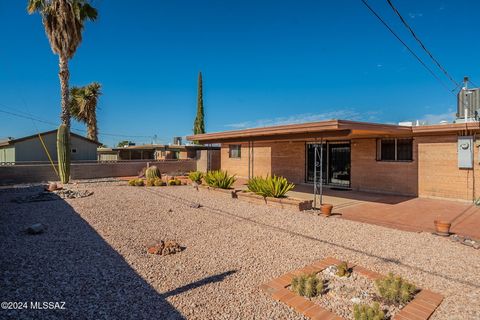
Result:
{"points": [[465, 152]]}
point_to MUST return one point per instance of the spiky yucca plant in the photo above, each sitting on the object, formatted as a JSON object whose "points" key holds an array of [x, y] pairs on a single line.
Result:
{"points": [[394, 289], [365, 312], [219, 179], [308, 285], [275, 186]]}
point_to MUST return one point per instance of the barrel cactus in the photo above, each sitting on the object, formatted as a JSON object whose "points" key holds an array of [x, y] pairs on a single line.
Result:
{"points": [[63, 152], [152, 172]]}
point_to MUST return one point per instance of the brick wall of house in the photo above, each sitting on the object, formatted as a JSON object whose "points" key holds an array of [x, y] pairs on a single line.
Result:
{"points": [[432, 173], [368, 174], [439, 175], [288, 160], [262, 160]]}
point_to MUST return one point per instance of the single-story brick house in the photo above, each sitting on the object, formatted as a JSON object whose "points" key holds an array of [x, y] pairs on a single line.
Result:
{"points": [[427, 161]]}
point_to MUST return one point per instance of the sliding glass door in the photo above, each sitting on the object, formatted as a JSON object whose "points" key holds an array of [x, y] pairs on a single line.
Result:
{"points": [[336, 163]]}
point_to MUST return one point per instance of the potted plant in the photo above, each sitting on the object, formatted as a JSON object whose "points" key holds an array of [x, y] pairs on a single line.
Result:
{"points": [[442, 227], [326, 209]]}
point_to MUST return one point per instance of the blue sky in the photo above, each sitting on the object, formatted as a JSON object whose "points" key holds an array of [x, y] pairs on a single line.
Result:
{"points": [[263, 63]]}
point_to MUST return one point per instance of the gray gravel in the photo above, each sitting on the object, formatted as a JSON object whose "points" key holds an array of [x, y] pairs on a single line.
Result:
{"points": [[92, 255]]}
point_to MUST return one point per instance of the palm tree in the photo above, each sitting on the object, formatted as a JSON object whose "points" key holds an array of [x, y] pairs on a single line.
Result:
{"points": [[64, 22], [83, 106]]}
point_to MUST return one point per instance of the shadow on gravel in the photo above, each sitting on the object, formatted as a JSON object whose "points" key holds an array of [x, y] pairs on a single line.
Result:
{"points": [[240, 218], [70, 262], [216, 278]]}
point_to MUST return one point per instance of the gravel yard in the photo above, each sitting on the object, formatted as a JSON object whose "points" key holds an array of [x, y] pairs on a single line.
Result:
{"points": [[92, 255]]}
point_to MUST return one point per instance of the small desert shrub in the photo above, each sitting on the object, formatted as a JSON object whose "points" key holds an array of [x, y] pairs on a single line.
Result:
{"points": [[158, 182], [395, 289], [150, 182], [219, 179], [172, 182], [178, 182], [308, 285], [365, 312], [139, 182], [276, 187], [196, 176], [152, 172], [343, 270], [132, 182]]}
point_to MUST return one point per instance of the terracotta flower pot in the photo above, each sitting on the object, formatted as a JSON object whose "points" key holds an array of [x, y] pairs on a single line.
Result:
{"points": [[326, 209], [442, 227]]}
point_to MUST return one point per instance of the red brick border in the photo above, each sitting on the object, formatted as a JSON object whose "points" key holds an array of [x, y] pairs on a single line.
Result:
{"points": [[420, 308]]}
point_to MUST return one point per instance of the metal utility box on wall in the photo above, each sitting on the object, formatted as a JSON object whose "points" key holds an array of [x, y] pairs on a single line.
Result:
{"points": [[465, 152]]}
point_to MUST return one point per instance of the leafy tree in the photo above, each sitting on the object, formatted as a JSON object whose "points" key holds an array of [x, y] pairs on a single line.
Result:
{"points": [[199, 124], [83, 106]]}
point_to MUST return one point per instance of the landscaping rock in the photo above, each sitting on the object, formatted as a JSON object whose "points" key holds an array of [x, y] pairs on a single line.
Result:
{"points": [[36, 228], [73, 194], [195, 205], [164, 247]]}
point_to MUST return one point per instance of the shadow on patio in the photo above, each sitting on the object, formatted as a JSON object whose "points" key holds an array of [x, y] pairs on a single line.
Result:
{"points": [[71, 262]]}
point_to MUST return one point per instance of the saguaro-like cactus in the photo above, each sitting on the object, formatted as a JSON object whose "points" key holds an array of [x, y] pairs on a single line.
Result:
{"points": [[63, 153]]}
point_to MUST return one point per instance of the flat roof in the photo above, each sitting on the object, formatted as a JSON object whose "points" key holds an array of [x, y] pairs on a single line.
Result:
{"points": [[329, 128], [157, 146]]}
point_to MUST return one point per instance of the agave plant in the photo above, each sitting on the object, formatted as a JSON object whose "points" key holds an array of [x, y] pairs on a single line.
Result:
{"points": [[195, 176], [275, 186], [219, 179]]}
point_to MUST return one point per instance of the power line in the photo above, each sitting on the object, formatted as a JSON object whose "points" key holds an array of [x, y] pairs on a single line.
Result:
{"points": [[422, 45], [30, 117], [406, 46]]}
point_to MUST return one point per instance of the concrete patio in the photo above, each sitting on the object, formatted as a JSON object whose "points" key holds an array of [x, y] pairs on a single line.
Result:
{"points": [[399, 212], [393, 211]]}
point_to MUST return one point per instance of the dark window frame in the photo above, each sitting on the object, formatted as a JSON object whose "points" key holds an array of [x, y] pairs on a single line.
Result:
{"points": [[237, 148], [396, 157]]}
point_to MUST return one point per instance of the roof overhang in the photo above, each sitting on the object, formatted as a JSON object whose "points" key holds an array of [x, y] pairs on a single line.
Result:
{"points": [[449, 128], [306, 131]]}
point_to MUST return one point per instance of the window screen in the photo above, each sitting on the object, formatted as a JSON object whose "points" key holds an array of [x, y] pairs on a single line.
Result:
{"points": [[404, 149], [395, 149], [235, 151], [387, 148]]}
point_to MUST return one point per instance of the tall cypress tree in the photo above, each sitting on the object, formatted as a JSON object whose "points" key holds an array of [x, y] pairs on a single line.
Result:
{"points": [[199, 124]]}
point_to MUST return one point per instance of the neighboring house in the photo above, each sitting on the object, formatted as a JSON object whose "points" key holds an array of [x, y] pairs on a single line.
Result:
{"points": [[428, 161], [30, 149], [152, 152]]}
